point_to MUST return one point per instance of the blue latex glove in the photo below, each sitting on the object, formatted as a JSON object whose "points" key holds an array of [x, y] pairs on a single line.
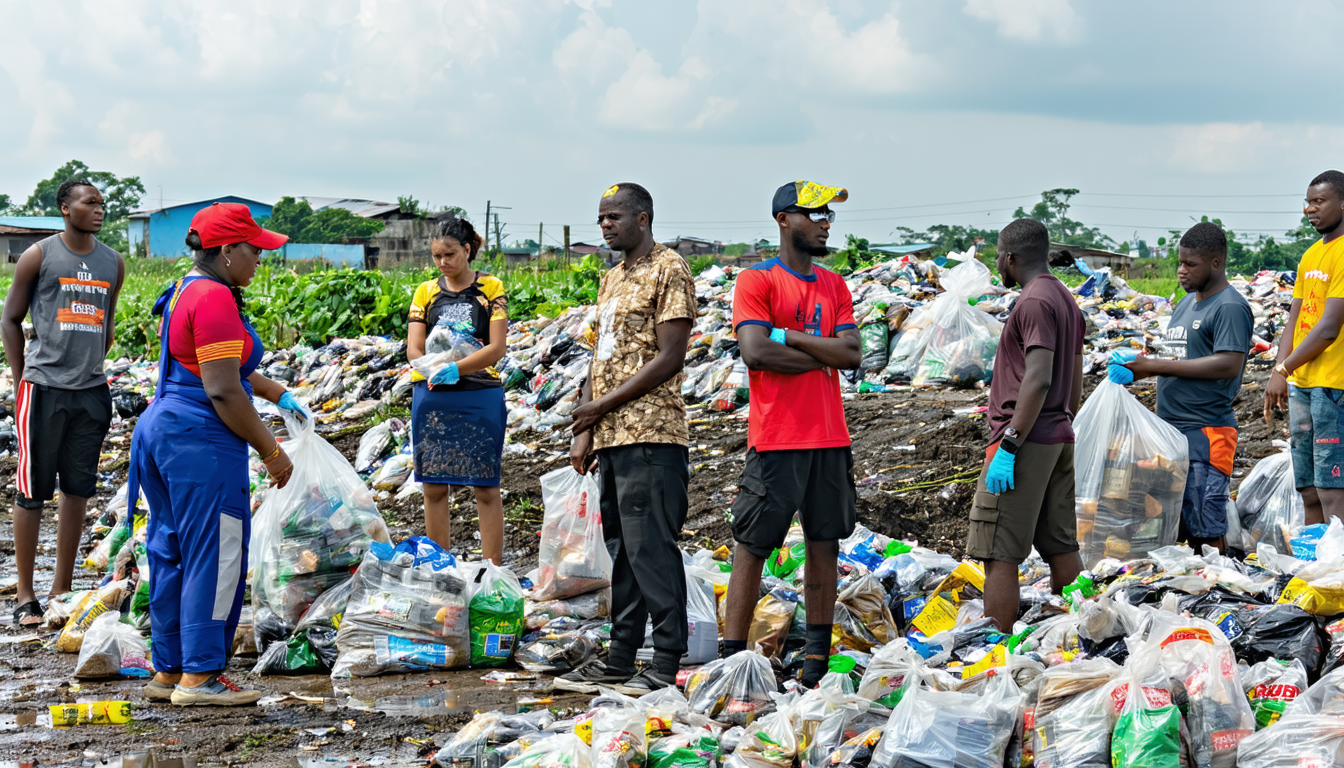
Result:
{"points": [[288, 402], [1000, 475], [1124, 356], [447, 375], [1120, 374], [778, 335]]}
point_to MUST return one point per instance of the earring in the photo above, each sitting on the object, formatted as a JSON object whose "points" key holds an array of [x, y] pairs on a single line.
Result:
{"points": [[228, 263]]}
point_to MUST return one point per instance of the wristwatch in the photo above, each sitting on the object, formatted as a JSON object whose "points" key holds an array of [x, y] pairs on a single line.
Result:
{"points": [[1012, 440]]}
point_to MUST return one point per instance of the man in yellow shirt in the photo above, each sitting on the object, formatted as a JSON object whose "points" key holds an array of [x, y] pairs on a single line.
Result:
{"points": [[1309, 375]]}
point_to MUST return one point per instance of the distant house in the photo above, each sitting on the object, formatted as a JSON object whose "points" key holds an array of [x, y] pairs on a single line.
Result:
{"points": [[583, 249], [519, 254], [694, 246], [918, 250], [18, 233], [1064, 255], [366, 209], [165, 229]]}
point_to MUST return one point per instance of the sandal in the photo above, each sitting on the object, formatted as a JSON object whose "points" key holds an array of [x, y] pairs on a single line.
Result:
{"points": [[28, 615]]}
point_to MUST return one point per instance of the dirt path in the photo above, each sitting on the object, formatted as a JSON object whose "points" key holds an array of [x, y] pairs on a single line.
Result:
{"points": [[916, 456]]}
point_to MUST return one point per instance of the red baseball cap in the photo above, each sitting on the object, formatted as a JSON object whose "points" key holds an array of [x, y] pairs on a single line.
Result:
{"points": [[225, 223]]}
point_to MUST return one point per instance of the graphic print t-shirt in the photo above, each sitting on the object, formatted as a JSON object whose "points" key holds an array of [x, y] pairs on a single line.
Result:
{"points": [[69, 307], [1320, 276], [794, 411], [474, 308]]}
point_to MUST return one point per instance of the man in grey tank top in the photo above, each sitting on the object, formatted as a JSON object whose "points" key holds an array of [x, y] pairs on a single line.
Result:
{"points": [[68, 283]]}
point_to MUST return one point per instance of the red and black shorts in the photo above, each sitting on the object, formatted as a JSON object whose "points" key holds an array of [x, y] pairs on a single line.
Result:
{"points": [[61, 435]]}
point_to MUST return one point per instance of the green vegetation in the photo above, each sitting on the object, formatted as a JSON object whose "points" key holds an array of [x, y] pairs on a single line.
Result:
{"points": [[297, 219]]}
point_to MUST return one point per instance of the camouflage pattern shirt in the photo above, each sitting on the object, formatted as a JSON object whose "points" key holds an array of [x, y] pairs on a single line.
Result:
{"points": [[629, 307]]}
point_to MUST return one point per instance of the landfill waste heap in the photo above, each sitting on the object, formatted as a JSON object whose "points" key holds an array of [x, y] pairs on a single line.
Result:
{"points": [[1155, 656]]}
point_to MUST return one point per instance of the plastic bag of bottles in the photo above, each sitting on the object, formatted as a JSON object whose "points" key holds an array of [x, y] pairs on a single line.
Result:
{"points": [[1073, 714], [496, 613], [447, 342], [307, 536], [557, 651], [873, 341], [1294, 742], [770, 739], [958, 343], [1148, 731], [950, 729], [1130, 468], [1271, 686], [490, 740], [1268, 502], [563, 751], [735, 690], [771, 620], [573, 557], [311, 649], [407, 612]]}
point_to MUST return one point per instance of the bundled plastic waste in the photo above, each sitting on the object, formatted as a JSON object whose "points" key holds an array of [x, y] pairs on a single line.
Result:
{"points": [[448, 342], [311, 648], [408, 611], [573, 557], [1268, 504], [308, 535], [949, 341], [496, 613], [111, 648], [1130, 469]]}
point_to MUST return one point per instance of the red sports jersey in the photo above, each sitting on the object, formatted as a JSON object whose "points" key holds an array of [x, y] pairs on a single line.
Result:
{"points": [[206, 326], [794, 411]]}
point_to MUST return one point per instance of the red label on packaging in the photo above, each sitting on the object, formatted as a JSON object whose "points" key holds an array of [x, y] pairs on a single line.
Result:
{"points": [[1188, 633], [1276, 691], [1229, 739]]}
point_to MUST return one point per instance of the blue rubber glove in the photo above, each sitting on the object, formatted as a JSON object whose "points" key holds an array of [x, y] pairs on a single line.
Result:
{"points": [[778, 335], [1124, 356], [1120, 374], [999, 478], [287, 402], [447, 375]]}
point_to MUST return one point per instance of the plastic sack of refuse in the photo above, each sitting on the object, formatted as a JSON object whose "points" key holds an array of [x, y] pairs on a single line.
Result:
{"points": [[496, 613], [692, 749], [592, 605], [866, 602], [111, 648], [1296, 741], [884, 679], [557, 652], [770, 740], [1268, 502], [1148, 730], [950, 729], [563, 751], [1130, 469], [957, 347], [619, 738], [1197, 657], [572, 558], [1073, 715], [702, 624], [735, 690], [307, 536], [375, 443], [873, 343], [407, 612], [393, 473], [1323, 697], [311, 649], [445, 344], [481, 743], [87, 610], [1271, 685]]}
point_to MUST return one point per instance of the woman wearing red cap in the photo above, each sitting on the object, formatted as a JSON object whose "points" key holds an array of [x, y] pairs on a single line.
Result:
{"points": [[458, 415], [189, 455]]}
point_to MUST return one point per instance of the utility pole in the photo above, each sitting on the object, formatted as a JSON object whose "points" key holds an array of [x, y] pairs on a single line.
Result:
{"points": [[566, 245], [541, 228], [487, 226]]}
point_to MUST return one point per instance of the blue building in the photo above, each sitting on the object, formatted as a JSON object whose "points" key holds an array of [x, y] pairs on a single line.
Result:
{"points": [[165, 229]]}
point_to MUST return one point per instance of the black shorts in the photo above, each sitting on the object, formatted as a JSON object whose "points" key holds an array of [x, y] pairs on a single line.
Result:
{"points": [[61, 434], [817, 483]]}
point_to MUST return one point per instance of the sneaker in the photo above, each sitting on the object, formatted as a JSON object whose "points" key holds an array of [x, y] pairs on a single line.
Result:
{"points": [[648, 681], [216, 692], [156, 691], [588, 677]]}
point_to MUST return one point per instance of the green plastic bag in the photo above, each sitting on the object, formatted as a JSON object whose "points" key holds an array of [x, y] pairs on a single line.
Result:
{"points": [[1146, 736], [495, 614], [684, 750], [785, 561]]}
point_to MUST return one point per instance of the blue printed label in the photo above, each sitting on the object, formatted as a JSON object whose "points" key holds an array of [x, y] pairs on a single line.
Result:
{"points": [[410, 653], [498, 645]]}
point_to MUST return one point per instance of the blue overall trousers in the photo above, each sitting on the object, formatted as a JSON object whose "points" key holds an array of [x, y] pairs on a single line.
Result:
{"points": [[193, 471]]}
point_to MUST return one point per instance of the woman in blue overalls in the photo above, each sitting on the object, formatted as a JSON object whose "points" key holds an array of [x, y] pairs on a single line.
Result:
{"points": [[189, 455]]}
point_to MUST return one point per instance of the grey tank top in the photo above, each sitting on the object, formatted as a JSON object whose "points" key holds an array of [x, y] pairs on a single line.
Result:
{"points": [[69, 313]]}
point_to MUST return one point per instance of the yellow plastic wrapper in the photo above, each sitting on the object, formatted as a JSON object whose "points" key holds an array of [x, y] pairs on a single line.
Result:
{"points": [[867, 605], [1323, 598], [771, 621], [90, 607]]}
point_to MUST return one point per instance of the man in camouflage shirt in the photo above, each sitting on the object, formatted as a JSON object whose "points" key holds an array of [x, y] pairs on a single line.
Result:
{"points": [[631, 424]]}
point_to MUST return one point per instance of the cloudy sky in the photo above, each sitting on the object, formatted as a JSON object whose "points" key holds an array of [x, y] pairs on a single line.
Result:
{"points": [[929, 112]]}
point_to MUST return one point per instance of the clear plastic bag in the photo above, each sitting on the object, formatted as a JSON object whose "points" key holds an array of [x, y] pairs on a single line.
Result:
{"points": [[92, 605], [873, 342], [1148, 730], [447, 343], [1268, 502], [482, 742], [496, 613], [691, 748], [619, 737], [557, 652], [735, 690], [1272, 685], [563, 751], [311, 649], [949, 341], [395, 471], [307, 536], [770, 740], [866, 601], [1294, 742], [407, 612], [111, 648], [950, 729], [771, 620], [1130, 467], [1075, 733], [375, 443], [884, 679], [572, 558]]}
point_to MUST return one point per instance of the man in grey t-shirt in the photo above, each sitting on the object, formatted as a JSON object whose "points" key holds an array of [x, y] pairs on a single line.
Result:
{"points": [[1206, 343], [69, 284]]}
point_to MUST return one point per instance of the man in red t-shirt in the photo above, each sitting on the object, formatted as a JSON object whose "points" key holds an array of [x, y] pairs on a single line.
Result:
{"points": [[1025, 493], [795, 328]]}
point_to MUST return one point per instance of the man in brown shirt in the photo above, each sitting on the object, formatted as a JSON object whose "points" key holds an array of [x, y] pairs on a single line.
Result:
{"points": [[631, 424]]}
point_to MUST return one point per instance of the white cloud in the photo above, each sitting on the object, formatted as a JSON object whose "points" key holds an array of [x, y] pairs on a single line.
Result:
{"points": [[1223, 148], [1029, 20], [149, 145]]}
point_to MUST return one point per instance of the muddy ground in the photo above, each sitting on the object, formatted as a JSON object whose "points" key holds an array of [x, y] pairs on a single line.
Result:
{"points": [[916, 455]]}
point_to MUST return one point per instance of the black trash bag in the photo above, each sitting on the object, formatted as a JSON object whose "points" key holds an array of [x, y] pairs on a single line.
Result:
{"points": [[268, 628], [129, 403], [1280, 632], [295, 656]]}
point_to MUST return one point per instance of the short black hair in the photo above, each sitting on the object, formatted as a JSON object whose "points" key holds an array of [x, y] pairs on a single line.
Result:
{"points": [[1333, 179], [639, 198], [457, 228], [1027, 239], [1206, 238], [64, 191]]}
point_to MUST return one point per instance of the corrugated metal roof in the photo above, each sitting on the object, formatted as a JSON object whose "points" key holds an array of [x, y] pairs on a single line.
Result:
{"points": [[145, 212], [901, 249], [366, 208], [33, 222]]}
